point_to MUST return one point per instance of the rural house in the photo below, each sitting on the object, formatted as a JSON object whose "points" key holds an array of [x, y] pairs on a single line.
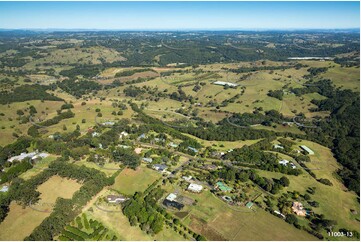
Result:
{"points": [[221, 186], [195, 188], [148, 160], [298, 209], [160, 167], [116, 199], [170, 201]]}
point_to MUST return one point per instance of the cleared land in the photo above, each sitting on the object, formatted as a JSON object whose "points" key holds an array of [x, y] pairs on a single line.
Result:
{"points": [[20, 221], [129, 181]]}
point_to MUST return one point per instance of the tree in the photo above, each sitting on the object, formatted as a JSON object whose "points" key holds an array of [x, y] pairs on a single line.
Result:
{"points": [[19, 112], [284, 181], [291, 219], [33, 131]]}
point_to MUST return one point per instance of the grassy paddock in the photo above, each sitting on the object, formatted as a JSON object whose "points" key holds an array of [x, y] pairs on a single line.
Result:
{"points": [[129, 181], [220, 220]]}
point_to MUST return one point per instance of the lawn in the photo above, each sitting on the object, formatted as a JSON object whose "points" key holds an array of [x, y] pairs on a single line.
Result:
{"points": [[39, 167], [129, 181]]}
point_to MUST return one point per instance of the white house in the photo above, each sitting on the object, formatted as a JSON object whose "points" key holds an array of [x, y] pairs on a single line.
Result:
{"points": [[123, 134], [195, 187], [171, 197], [108, 123], [276, 146], [173, 145], [4, 189], [115, 199], [283, 162], [148, 160], [95, 134], [187, 178]]}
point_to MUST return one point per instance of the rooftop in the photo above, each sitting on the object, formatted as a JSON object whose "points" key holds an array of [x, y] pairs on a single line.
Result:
{"points": [[225, 83], [223, 187], [308, 150], [195, 187], [171, 197]]}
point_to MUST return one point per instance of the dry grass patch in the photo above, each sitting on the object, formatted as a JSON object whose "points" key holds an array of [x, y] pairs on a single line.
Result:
{"points": [[20, 221]]}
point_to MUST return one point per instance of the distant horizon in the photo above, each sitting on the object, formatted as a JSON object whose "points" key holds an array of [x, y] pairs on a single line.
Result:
{"points": [[185, 29], [148, 16]]}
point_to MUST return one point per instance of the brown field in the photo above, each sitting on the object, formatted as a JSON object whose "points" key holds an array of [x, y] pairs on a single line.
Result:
{"points": [[20, 221]]}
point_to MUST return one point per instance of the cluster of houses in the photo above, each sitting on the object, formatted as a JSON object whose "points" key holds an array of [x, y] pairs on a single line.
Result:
{"points": [[286, 163], [32, 155]]}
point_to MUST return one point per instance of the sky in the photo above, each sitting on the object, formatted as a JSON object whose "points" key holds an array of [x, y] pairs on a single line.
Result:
{"points": [[179, 15]]}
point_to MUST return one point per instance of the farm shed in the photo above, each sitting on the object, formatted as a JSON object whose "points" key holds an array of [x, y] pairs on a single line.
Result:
{"points": [[308, 150]]}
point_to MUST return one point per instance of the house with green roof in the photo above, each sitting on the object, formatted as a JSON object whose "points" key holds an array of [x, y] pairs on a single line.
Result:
{"points": [[221, 186]]}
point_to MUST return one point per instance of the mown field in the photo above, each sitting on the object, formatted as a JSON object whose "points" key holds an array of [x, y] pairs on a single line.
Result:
{"points": [[130, 181]]}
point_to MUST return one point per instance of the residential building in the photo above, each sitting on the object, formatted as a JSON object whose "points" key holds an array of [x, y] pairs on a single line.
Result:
{"points": [[123, 134], [116, 199], [171, 197], [4, 189], [195, 188], [284, 162], [298, 209], [249, 204], [160, 167], [148, 160], [277, 146], [31, 155], [192, 149], [187, 178], [221, 186]]}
